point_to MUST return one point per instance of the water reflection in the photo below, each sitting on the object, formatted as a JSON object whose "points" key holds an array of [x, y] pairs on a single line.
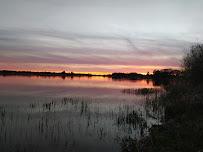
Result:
{"points": [[63, 115]]}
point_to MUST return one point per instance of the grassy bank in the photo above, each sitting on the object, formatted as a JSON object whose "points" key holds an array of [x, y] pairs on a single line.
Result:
{"points": [[182, 128]]}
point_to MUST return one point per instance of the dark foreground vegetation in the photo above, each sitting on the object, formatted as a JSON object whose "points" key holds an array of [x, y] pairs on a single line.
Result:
{"points": [[182, 125], [182, 128]]}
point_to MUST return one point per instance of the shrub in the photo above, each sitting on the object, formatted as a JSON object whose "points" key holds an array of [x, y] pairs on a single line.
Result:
{"points": [[193, 63]]}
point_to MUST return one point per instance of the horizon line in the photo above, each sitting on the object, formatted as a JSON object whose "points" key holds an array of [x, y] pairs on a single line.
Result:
{"points": [[91, 73], [67, 72]]}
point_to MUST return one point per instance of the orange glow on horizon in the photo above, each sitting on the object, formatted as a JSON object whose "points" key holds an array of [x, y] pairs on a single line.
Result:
{"points": [[92, 73], [83, 68], [89, 68]]}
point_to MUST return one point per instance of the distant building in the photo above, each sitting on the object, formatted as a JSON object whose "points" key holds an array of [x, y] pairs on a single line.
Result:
{"points": [[167, 70]]}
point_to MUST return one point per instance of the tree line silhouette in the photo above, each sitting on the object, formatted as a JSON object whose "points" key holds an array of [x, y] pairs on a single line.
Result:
{"points": [[157, 74]]}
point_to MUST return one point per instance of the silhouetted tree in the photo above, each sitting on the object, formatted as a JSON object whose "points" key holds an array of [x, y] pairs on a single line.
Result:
{"points": [[193, 63]]}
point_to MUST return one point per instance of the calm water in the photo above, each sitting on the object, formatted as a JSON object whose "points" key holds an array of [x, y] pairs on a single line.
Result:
{"points": [[72, 114]]}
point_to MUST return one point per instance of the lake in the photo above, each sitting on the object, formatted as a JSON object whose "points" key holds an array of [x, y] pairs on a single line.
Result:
{"points": [[79, 114]]}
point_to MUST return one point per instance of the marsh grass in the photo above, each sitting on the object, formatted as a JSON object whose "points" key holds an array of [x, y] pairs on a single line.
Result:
{"points": [[70, 124], [182, 126], [142, 91]]}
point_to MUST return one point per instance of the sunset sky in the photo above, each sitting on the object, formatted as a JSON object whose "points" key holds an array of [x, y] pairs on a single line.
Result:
{"points": [[97, 36]]}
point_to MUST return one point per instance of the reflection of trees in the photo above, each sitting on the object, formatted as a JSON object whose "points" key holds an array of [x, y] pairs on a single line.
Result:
{"points": [[162, 82]]}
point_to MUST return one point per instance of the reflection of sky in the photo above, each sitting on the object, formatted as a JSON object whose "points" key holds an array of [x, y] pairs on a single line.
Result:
{"points": [[17, 87], [94, 117], [97, 36]]}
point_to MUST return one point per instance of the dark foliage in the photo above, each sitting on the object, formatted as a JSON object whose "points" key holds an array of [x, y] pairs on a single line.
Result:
{"points": [[182, 128], [193, 63]]}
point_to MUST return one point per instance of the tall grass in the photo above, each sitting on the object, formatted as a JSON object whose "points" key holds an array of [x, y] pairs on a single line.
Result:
{"points": [[182, 126]]}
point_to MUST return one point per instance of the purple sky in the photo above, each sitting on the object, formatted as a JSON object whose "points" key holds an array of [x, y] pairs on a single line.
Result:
{"points": [[97, 36]]}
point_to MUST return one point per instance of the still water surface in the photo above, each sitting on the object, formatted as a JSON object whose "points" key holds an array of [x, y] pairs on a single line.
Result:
{"points": [[72, 114]]}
